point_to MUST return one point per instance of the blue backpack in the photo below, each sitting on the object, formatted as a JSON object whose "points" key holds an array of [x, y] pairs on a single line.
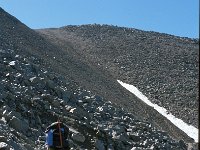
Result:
{"points": [[49, 138], [53, 137]]}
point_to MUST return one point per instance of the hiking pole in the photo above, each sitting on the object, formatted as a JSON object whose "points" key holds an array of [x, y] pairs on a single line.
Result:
{"points": [[61, 144]]}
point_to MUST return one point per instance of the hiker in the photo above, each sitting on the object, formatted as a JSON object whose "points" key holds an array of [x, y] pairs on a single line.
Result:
{"points": [[56, 136]]}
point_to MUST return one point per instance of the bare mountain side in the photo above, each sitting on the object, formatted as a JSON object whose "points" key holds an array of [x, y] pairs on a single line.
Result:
{"points": [[42, 79], [164, 67]]}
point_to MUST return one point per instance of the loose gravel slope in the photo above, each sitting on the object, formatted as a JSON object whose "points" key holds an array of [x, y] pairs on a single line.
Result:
{"points": [[164, 67]]}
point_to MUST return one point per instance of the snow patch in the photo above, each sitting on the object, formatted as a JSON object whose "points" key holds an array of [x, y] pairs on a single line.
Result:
{"points": [[188, 129]]}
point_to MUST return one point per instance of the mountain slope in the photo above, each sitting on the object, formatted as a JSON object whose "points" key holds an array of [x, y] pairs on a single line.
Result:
{"points": [[41, 80], [164, 67]]}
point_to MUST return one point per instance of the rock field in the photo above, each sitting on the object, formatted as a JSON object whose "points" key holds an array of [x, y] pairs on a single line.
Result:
{"points": [[33, 97]]}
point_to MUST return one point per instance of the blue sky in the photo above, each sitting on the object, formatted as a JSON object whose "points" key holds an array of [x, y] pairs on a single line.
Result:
{"points": [[176, 17]]}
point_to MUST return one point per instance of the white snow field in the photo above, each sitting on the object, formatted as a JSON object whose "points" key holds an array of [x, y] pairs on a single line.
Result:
{"points": [[190, 130]]}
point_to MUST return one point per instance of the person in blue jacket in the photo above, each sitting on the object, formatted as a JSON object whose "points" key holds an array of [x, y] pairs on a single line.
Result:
{"points": [[56, 136]]}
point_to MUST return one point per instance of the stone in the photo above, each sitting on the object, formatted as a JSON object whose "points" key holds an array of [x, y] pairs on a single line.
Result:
{"points": [[18, 124], [9, 115], [79, 102], [48, 98], [26, 82], [56, 103], [135, 137], [192, 146], [34, 80], [28, 147], [4, 146], [3, 139], [10, 97], [58, 92], [41, 138], [50, 85], [119, 129], [15, 123], [99, 145], [78, 137], [110, 147], [66, 95], [182, 144]]}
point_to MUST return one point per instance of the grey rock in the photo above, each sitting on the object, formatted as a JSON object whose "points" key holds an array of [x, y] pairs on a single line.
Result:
{"points": [[110, 147], [3, 139], [48, 97], [50, 84], [18, 124], [28, 147], [182, 144], [135, 137], [99, 145], [56, 103], [68, 107], [33, 79], [26, 82], [78, 137], [41, 138], [119, 129], [9, 115], [58, 92], [66, 95], [80, 102], [4, 146], [192, 146], [10, 96]]}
